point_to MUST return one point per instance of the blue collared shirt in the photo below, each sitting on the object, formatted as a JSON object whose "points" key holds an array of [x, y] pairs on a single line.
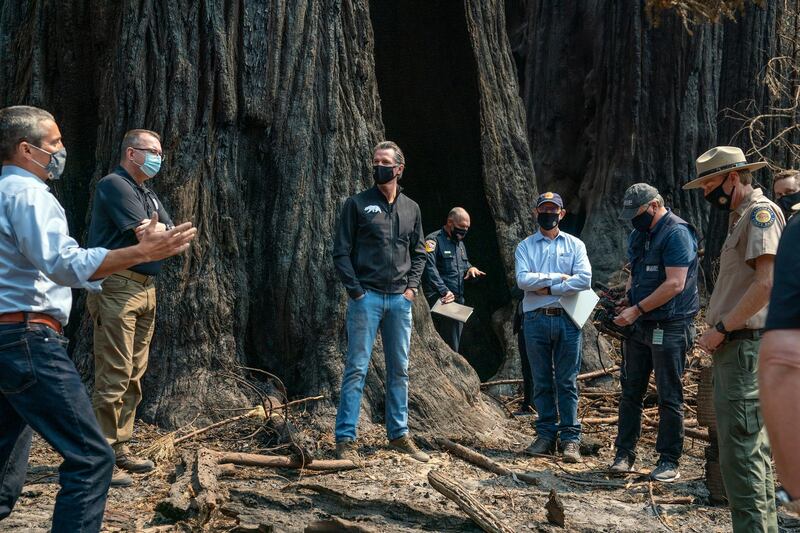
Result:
{"points": [[39, 261], [541, 261]]}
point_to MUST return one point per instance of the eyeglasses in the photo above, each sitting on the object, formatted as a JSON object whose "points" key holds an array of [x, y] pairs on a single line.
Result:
{"points": [[151, 150]]}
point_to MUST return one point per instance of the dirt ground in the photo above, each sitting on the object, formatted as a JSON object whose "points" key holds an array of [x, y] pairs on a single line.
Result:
{"points": [[393, 494]]}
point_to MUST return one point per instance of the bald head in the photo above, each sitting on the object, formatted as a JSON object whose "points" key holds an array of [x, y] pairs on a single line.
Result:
{"points": [[458, 215]]}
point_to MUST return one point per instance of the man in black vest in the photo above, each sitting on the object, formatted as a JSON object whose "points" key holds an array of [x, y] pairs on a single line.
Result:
{"points": [[662, 301]]}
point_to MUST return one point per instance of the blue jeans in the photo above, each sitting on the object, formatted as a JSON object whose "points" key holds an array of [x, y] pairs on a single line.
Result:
{"points": [[41, 391], [554, 353], [391, 313], [667, 360]]}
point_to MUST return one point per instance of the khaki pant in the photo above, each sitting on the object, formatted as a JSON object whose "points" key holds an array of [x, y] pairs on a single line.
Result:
{"points": [[124, 317], [744, 453]]}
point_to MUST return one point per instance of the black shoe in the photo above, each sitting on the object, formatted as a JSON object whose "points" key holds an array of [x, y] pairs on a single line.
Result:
{"points": [[541, 447], [622, 464], [665, 472]]}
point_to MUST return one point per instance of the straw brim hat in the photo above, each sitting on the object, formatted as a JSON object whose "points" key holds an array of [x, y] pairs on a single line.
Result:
{"points": [[719, 161]]}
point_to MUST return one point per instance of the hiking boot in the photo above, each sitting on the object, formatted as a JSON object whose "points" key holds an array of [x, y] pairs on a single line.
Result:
{"points": [[622, 464], [572, 452], [541, 447], [405, 445], [347, 451], [127, 461], [665, 472], [120, 478]]}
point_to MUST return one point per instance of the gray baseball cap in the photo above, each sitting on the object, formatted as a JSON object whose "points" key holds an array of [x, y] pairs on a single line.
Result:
{"points": [[636, 196]]}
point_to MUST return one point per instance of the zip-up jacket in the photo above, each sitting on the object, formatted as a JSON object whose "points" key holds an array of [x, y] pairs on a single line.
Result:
{"points": [[379, 246]]}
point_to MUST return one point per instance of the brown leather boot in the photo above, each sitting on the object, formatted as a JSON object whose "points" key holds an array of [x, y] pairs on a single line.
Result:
{"points": [[405, 445], [120, 478], [127, 461]]}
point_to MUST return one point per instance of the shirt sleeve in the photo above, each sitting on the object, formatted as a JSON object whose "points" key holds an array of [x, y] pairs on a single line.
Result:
{"points": [[784, 303], [417, 250], [40, 229], [527, 279], [431, 274], [581, 276], [343, 246], [163, 216], [763, 233], [680, 248], [123, 206]]}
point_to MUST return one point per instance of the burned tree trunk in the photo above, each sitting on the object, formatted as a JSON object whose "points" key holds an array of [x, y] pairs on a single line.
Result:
{"points": [[268, 113]]}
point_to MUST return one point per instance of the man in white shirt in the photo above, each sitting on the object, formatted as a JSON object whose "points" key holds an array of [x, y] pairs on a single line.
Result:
{"points": [[550, 264]]}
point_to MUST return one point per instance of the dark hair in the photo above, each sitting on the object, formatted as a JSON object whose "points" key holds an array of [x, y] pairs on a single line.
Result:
{"points": [[132, 138], [21, 123]]}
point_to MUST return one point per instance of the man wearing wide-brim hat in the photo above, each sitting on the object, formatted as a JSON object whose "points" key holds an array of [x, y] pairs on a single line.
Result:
{"points": [[737, 314]]}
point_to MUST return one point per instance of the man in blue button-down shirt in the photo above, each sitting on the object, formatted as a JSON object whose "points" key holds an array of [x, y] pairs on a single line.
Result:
{"points": [[551, 264], [39, 387]]}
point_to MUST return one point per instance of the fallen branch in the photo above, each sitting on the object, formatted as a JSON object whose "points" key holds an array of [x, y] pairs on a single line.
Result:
{"points": [[497, 382], [282, 461], [477, 512], [597, 373], [484, 462], [655, 507]]}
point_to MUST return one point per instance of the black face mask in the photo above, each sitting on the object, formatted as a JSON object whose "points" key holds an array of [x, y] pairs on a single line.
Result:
{"points": [[788, 201], [547, 221], [642, 221], [719, 198], [459, 233], [382, 174]]}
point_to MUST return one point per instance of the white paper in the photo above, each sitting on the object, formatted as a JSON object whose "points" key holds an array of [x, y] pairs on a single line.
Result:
{"points": [[579, 306], [452, 310]]}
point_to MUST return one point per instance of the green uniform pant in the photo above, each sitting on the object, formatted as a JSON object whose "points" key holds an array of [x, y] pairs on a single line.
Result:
{"points": [[744, 453], [124, 317]]}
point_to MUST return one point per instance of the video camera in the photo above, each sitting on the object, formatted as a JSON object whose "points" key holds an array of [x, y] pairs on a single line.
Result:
{"points": [[603, 318]]}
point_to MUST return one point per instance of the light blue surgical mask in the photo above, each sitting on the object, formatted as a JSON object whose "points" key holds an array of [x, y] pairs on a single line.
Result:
{"points": [[151, 165]]}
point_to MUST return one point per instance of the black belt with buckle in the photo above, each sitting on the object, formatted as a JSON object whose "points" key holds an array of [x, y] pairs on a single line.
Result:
{"points": [[550, 311], [745, 335]]}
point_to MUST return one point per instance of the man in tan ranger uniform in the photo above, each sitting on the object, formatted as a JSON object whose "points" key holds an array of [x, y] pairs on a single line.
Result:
{"points": [[737, 314]]}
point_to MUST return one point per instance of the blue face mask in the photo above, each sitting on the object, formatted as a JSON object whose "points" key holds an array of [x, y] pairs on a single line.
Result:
{"points": [[151, 165]]}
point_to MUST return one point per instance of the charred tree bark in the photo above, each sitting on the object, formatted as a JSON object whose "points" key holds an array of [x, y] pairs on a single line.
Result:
{"points": [[268, 113]]}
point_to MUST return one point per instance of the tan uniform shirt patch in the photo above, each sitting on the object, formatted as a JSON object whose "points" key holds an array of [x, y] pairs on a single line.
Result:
{"points": [[752, 233]]}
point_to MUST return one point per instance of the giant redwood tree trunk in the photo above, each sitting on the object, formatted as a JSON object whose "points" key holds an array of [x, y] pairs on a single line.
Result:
{"points": [[268, 113]]}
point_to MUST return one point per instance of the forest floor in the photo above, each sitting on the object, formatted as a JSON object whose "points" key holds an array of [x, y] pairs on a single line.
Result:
{"points": [[392, 492]]}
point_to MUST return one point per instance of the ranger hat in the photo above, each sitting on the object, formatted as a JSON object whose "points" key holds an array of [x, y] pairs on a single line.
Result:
{"points": [[720, 160], [636, 196]]}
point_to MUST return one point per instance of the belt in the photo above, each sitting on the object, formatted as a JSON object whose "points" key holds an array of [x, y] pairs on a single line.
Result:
{"points": [[135, 276], [745, 335], [32, 318], [549, 311]]}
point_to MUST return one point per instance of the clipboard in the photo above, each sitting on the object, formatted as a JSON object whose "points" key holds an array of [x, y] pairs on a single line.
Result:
{"points": [[452, 310], [579, 306]]}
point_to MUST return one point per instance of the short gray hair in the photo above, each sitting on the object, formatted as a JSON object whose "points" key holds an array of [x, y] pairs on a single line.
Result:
{"points": [[21, 123], [132, 137], [659, 200], [399, 158], [457, 214]]}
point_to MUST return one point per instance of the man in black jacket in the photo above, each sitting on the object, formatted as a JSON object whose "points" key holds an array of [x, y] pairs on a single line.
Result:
{"points": [[379, 253]]}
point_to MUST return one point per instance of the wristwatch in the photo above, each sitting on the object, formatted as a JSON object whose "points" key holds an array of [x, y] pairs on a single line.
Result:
{"points": [[785, 500], [640, 308], [414, 290], [719, 326]]}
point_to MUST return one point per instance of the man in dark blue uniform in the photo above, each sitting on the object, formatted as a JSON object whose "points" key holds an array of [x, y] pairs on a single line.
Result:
{"points": [[446, 270]]}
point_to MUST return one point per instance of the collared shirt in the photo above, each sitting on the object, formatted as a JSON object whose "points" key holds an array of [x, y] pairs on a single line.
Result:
{"points": [[755, 228], [120, 204], [541, 261], [39, 261], [447, 263]]}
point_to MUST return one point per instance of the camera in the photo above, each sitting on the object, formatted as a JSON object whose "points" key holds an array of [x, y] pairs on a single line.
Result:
{"points": [[603, 317]]}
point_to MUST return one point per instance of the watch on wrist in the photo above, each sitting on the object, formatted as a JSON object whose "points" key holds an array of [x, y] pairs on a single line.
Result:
{"points": [[785, 500], [719, 326], [414, 290], [640, 308]]}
